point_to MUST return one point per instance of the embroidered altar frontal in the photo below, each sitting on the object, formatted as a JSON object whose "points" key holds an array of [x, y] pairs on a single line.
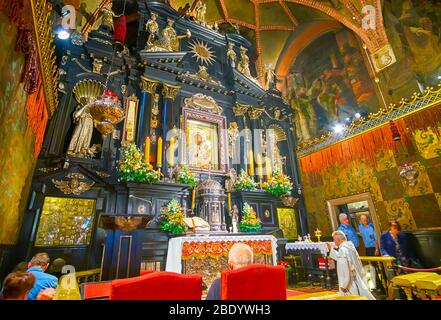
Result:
{"points": [[209, 255]]}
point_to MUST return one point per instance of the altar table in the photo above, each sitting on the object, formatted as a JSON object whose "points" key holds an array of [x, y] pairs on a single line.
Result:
{"points": [[208, 255]]}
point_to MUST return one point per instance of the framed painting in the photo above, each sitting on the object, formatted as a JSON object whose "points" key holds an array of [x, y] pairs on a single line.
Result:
{"points": [[204, 146]]}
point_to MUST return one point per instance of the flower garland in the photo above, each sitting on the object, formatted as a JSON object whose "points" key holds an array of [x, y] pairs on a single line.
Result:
{"points": [[186, 176], [249, 222], [172, 218], [133, 168], [278, 185], [244, 182]]}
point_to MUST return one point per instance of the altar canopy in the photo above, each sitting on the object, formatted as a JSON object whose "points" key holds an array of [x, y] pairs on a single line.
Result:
{"points": [[209, 255]]}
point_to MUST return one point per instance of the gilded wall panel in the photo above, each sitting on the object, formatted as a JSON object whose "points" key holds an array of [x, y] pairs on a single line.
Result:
{"points": [[428, 143], [399, 209]]}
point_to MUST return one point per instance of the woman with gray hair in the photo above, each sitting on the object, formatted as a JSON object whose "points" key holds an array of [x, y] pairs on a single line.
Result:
{"points": [[350, 272]]}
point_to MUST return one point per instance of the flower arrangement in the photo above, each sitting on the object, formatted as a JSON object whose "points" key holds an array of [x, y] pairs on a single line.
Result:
{"points": [[186, 176], [249, 222], [172, 218], [285, 264], [244, 182], [278, 185], [133, 168]]}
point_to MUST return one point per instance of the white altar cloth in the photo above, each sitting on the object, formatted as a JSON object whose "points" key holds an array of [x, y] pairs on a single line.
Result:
{"points": [[174, 254], [301, 245]]}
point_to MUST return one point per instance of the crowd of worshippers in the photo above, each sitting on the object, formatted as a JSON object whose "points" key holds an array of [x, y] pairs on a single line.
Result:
{"points": [[33, 280]]}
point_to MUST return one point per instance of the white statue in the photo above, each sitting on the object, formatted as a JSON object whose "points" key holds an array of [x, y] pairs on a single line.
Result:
{"points": [[235, 219], [80, 143], [231, 55], [270, 76], [231, 181]]}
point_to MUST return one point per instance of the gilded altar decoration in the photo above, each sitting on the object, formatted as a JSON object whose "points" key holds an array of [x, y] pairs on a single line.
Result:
{"points": [[132, 167], [200, 12], [202, 52], [270, 76], [65, 222], [185, 175], [255, 113], [102, 174], [169, 91], [250, 222], [132, 104], [73, 185], [41, 13], [107, 111], [97, 65], [240, 110], [318, 234], [279, 184], [287, 222], [148, 85], [169, 40], [244, 63], [244, 182], [231, 55], [202, 102], [172, 218], [107, 16], [128, 223], [289, 201]]}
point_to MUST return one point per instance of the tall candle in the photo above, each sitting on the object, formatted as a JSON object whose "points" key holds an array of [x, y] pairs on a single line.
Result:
{"points": [[193, 199], [259, 166], [251, 170], [159, 153], [268, 168], [147, 150], [229, 201], [172, 152]]}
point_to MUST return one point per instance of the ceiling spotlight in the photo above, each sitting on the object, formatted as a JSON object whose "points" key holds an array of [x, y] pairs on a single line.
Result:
{"points": [[339, 128], [63, 34], [357, 115], [439, 77]]}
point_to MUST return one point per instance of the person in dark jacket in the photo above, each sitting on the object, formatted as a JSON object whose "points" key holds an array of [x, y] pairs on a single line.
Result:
{"points": [[394, 243]]}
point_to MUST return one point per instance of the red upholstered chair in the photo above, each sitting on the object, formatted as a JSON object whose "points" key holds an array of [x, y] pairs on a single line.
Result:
{"points": [[161, 285], [254, 282]]}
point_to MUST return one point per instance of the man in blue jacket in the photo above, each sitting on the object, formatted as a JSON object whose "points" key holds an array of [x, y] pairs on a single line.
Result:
{"points": [[37, 266], [348, 230]]}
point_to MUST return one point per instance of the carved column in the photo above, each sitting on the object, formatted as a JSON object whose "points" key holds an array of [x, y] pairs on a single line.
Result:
{"points": [[169, 93], [255, 114], [147, 124]]}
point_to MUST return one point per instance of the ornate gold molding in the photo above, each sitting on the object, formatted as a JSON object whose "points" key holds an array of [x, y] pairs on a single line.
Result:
{"points": [[200, 101], [170, 91], [240, 110], [148, 85], [41, 12], [255, 113], [73, 185]]}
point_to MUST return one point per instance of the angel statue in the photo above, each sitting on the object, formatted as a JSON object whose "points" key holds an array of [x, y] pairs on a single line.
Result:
{"points": [[231, 181], [231, 55], [244, 64], [152, 28], [82, 135], [170, 40]]}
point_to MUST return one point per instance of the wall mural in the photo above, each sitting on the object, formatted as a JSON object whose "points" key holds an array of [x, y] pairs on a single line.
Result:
{"points": [[329, 83], [417, 207]]}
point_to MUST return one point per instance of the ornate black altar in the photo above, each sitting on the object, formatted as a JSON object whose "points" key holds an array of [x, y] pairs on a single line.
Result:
{"points": [[186, 90]]}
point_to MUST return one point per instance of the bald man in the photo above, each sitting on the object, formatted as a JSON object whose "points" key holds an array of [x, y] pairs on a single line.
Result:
{"points": [[240, 255]]}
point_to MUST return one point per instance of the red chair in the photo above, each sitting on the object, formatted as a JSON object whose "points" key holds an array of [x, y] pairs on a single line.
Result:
{"points": [[254, 282], [158, 286]]}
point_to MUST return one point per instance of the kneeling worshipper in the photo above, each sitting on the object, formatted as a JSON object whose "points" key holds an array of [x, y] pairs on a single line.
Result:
{"points": [[350, 272]]}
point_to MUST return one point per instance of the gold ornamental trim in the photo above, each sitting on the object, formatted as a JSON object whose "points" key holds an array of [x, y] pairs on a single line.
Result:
{"points": [[240, 110], [148, 85], [406, 107], [41, 11], [170, 91], [255, 113]]}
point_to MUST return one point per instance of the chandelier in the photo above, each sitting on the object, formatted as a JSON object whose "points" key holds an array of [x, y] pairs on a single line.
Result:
{"points": [[410, 174]]}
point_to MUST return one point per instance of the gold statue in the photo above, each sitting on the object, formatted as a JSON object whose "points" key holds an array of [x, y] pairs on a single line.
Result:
{"points": [[231, 55], [170, 40], [80, 142], [201, 10], [107, 16], [203, 73], [244, 64], [152, 28], [73, 186]]}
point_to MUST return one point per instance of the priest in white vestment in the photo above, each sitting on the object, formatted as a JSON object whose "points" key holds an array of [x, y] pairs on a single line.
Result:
{"points": [[350, 272]]}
